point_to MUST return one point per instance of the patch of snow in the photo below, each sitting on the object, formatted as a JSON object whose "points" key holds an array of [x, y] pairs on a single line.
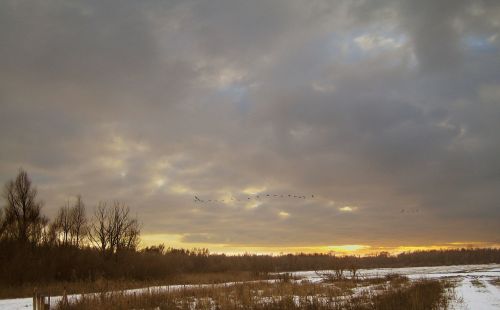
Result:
{"points": [[469, 297]]}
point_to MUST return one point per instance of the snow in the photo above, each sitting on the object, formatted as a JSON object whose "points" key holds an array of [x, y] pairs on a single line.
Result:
{"points": [[482, 296], [27, 303], [474, 290]]}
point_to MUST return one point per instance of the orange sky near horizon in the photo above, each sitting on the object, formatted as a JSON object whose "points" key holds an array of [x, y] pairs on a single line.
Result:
{"points": [[175, 241]]}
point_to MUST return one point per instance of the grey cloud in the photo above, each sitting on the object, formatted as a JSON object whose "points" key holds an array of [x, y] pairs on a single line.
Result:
{"points": [[150, 102]]}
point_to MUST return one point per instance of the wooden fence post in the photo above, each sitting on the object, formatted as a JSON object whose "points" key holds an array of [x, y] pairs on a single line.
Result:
{"points": [[35, 298], [64, 298], [39, 301]]}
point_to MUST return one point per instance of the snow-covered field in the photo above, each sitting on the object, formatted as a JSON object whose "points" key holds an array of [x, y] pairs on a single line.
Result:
{"points": [[475, 288]]}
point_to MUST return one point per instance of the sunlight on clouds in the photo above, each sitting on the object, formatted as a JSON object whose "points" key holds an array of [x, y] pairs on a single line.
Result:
{"points": [[254, 190], [348, 209], [369, 42], [162, 164], [253, 204], [284, 214], [159, 181], [176, 241], [347, 248], [119, 144], [180, 189], [219, 78], [112, 163], [227, 198], [116, 166], [170, 240], [227, 77], [116, 153]]}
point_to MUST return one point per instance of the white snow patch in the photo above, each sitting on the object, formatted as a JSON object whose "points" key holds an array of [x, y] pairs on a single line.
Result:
{"points": [[485, 296]]}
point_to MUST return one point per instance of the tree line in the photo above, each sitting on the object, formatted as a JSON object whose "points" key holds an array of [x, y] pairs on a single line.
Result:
{"points": [[75, 247], [110, 229]]}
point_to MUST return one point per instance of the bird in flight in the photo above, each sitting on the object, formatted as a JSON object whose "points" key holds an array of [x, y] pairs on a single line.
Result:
{"points": [[197, 199]]}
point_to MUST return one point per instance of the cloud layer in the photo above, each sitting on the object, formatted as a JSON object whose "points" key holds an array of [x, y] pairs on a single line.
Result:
{"points": [[375, 107]]}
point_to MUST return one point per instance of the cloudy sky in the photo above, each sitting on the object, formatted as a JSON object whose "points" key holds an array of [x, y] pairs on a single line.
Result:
{"points": [[388, 112]]}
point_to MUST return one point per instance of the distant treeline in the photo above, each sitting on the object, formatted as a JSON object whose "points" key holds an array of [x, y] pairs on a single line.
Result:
{"points": [[72, 247], [44, 263]]}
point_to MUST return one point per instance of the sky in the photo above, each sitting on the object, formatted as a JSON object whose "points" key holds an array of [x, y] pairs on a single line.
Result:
{"points": [[384, 114]]}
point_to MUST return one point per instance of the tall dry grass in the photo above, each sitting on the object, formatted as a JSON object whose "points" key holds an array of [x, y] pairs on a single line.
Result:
{"points": [[106, 285], [386, 294]]}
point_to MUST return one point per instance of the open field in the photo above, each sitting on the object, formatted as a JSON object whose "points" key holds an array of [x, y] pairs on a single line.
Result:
{"points": [[386, 294], [475, 287], [105, 285]]}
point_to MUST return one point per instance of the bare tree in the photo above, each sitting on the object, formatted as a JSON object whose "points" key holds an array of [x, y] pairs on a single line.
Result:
{"points": [[78, 220], [39, 231], [3, 224], [52, 236], [63, 224], [123, 231], [22, 213], [130, 239], [98, 229], [113, 229]]}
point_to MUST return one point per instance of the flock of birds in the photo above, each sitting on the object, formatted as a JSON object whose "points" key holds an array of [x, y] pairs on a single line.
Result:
{"points": [[412, 210], [259, 197]]}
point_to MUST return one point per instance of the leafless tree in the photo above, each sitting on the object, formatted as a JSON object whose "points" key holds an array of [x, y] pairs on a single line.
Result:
{"points": [[113, 229], [3, 224], [78, 221], [132, 235], [63, 224], [123, 231], [52, 235], [22, 212], [40, 229], [98, 229]]}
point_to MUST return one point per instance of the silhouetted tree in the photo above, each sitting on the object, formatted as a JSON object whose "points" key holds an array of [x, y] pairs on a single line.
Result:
{"points": [[98, 229], [78, 221], [22, 212], [113, 230], [62, 224], [3, 224], [123, 231]]}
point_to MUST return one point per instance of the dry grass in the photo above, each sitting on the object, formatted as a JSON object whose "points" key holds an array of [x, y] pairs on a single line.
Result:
{"points": [[422, 294], [387, 294], [104, 285], [495, 281], [477, 283]]}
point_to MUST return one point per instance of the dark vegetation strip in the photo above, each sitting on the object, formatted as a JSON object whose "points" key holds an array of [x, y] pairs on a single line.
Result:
{"points": [[43, 264]]}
